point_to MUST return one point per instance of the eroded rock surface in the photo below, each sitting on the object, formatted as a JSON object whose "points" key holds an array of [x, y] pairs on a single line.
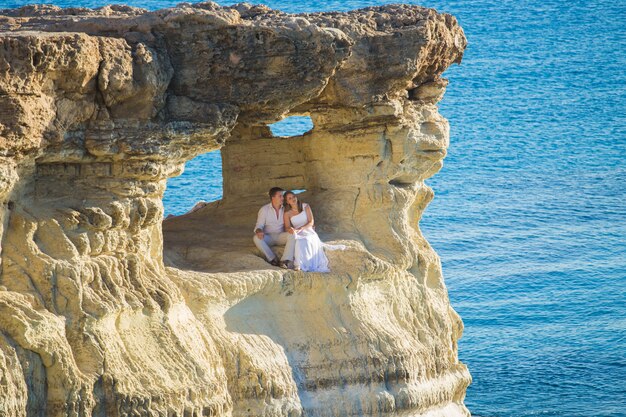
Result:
{"points": [[106, 310]]}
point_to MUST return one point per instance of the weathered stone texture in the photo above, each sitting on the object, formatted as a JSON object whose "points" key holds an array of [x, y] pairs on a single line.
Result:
{"points": [[106, 310]]}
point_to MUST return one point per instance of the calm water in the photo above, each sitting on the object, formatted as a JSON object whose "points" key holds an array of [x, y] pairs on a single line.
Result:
{"points": [[530, 210]]}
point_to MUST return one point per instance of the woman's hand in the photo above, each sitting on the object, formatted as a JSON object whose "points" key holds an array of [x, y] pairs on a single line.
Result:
{"points": [[291, 230]]}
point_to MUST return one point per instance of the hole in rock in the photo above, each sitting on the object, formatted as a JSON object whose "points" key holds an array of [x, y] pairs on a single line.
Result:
{"points": [[292, 126], [201, 181], [219, 237], [298, 193], [403, 182]]}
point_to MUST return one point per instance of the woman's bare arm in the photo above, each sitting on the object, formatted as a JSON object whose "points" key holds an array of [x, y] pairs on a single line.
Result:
{"points": [[309, 217], [287, 222]]}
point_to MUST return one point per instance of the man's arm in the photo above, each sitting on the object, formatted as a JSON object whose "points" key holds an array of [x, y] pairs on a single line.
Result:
{"points": [[260, 223]]}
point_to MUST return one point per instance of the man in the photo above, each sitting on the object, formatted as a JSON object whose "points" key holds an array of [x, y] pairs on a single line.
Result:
{"points": [[270, 230]]}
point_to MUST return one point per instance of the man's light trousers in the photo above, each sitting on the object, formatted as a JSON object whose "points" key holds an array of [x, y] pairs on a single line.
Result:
{"points": [[270, 239]]}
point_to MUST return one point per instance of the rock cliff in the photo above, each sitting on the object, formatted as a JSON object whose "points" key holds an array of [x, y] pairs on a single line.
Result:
{"points": [[106, 310]]}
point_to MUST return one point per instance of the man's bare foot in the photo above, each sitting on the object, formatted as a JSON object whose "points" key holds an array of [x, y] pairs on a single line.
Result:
{"points": [[283, 264]]}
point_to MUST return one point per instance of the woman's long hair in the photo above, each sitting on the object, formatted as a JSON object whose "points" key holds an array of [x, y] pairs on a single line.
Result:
{"points": [[286, 204]]}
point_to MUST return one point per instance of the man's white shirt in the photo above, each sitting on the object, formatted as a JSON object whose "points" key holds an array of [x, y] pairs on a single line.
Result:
{"points": [[268, 221]]}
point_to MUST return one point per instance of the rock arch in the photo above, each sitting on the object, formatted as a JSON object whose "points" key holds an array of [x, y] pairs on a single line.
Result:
{"points": [[99, 108]]}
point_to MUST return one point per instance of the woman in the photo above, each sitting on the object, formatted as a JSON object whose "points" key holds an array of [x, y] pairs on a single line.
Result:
{"points": [[309, 251]]}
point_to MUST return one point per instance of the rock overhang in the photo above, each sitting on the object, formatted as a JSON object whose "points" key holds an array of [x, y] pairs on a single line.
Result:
{"points": [[203, 67]]}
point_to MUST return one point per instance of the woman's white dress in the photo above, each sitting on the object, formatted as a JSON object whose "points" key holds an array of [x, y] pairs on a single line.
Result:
{"points": [[309, 251]]}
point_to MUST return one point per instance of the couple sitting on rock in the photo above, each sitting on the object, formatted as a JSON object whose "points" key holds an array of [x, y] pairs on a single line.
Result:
{"points": [[288, 221]]}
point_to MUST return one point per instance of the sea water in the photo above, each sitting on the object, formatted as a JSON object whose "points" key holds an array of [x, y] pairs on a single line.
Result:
{"points": [[529, 216]]}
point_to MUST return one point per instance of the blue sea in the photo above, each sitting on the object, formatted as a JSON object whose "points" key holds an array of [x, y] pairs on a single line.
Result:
{"points": [[529, 216]]}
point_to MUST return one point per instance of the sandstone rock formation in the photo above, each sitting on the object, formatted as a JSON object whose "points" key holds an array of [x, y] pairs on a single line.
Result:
{"points": [[105, 310]]}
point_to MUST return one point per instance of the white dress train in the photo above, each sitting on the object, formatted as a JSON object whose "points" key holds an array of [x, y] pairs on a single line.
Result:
{"points": [[309, 251]]}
